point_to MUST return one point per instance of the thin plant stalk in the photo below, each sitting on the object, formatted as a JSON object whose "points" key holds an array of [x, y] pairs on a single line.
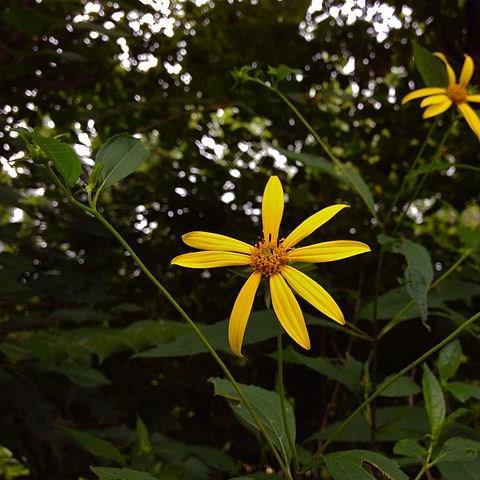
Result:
{"points": [[93, 211], [283, 403]]}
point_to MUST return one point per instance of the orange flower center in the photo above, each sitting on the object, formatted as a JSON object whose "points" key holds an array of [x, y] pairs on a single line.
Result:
{"points": [[269, 257], [457, 93]]}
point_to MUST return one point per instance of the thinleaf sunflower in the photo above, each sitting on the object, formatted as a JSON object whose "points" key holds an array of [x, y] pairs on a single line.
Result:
{"points": [[270, 259], [439, 99]]}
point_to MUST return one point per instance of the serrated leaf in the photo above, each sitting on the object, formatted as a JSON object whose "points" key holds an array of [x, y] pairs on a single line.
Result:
{"points": [[449, 359], [402, 387], [95, 445], [62, 156], [431, 69], [358, 465], [267, 407], [106, 473], [434, 401], [458, 449], [119, 156], [418, 274], [409, 447]]}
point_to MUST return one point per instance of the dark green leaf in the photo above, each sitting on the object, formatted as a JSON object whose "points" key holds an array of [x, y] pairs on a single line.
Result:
{"points": [[119, 156], [431, 69], [267, 408], [449, 359], [418, 274], [63, 156], [463, 391], [96, 446], [409, 447], [458, 449], [105, 473], [402, 387], [434, 401], [358, 465]]}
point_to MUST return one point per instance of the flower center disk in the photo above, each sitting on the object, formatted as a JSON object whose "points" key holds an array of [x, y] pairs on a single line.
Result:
{"points": [[457, 93], [269, 257]]}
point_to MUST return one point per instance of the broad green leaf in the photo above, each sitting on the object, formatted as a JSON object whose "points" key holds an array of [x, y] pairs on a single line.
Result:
{"points": [[418, 274], [463, 391], [449, 359], [408, 447], [347, 373], [119, 156], [106, 473], [458, 449], [82, 375], [310, 160], [62, 156], [267, 407], [460, 470], [393, 423], [434, 400], [431, 69], [358, 465], [402, 387], [95, 445]]}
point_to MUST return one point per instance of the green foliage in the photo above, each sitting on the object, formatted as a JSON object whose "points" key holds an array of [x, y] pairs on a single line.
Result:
{"points": [[431, 68], [266, 405], [434, 401], [362, 465]]}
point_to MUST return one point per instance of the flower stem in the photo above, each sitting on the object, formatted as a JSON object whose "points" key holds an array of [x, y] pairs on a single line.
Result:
{"points": [[93, 211], [387, 384], [283, 403]]}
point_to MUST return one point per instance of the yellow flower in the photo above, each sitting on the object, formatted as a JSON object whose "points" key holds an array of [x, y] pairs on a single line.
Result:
{"points": [[270, 260], [437, 99]]}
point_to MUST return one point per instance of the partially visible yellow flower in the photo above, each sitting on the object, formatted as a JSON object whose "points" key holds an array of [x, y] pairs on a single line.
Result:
{"points": [[439, 99], [270, 259]]}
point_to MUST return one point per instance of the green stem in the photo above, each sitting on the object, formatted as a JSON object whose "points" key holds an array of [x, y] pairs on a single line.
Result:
{"points": [[387, 384], [406, 178], [283, 403], [398, 318], [426, 464], [320, 141], [182, 312], [423, 179]]}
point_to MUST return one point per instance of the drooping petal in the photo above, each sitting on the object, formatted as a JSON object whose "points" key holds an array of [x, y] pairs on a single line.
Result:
{"points": [[288, 311], [437, 109], [241, 312], [471, 117], [272, 208], [423, 92], [313, 293], [328, 251], [432, 100], [473, 98], [452, 78], [215, 241], [211, 259], [313, 222], [467, 70]]}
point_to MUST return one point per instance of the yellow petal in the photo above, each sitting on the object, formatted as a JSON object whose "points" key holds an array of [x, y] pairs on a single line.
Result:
{"points": [[471, 117], [433, 99], [450, 73], [313, 293], [210, 259], [473, 98], [311, 224], [241, 312], [328, 251], [437, 109], [423, 92], [215, 241], [288, 311], [467, 70], [272, 209]]}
